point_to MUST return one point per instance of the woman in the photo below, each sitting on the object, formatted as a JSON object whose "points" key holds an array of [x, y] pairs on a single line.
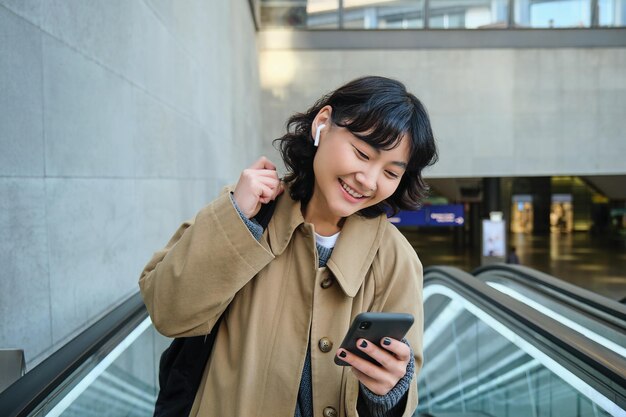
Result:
{"points": [[288, 293]]}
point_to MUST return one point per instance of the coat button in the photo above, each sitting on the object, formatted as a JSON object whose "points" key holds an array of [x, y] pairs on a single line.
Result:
{"points": [[330, 412], [327, 282], [325, 344]]}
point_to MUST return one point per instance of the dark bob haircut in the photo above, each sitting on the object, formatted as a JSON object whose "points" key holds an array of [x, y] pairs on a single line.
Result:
{"points": [[379, 111]]}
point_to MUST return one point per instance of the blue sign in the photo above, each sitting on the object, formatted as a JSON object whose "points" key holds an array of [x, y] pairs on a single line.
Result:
{"points": [[431, 216]]}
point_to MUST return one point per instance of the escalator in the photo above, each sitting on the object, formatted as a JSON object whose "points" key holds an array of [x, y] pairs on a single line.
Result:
{"points": [[486, 354], [108, 370], [597, 318]]}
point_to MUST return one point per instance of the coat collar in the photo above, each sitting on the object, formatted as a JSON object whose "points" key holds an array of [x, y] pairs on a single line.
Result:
{"points": [[355, 249]]}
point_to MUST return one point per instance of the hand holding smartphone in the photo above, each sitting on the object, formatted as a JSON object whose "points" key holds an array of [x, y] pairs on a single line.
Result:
{"points": [[373, 327]]}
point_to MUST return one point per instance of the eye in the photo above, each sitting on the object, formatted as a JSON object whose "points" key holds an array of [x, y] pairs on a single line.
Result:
{"points": [[392, 175], [361, 154]]}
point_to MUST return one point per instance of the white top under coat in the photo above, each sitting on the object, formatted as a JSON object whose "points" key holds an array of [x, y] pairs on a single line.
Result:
{"points": [[327, 241]]}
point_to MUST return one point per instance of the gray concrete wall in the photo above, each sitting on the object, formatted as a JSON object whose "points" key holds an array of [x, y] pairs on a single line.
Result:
{"points": [[118, 120], [495, 112]]}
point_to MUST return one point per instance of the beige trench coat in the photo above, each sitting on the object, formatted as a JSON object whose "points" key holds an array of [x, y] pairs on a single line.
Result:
{"points": [[274, 295]]}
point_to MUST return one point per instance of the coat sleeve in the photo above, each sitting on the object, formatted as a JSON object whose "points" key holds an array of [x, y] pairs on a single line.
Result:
{"points": [[399, 289], [187, 285]]}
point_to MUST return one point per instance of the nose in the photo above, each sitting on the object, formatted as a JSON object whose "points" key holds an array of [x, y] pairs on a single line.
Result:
{"points": [[367, 179]]}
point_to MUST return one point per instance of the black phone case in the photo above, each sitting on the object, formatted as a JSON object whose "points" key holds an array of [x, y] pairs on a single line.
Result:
{"points": [[394, 325]]}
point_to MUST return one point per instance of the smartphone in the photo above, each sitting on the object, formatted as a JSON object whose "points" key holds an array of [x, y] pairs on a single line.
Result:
{"points": [[373, 327]]}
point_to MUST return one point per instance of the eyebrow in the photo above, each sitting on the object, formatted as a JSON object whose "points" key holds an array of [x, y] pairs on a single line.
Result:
{"points": [[400, 164]]}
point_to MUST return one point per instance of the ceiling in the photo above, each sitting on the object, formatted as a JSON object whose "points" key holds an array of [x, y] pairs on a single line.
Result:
{"points": [[470, 189], [612, 186]]}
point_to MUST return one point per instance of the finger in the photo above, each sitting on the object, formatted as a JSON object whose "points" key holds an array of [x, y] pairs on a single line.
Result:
{"points": [[251, 174], [264, 173], [375, 378], [271, 179], [385, 358], [252, 190], [263, 163], [392, 364], [268, 181], [363, 365], [254, 180], [398, 348], [279, 190], [270, 189], [266, 177], [265, 194]]}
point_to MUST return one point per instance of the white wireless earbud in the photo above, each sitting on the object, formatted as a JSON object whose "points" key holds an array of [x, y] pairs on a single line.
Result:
{"points": [[317, 135]]}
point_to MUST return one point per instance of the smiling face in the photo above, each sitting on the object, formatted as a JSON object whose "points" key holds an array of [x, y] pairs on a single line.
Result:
{"points": [[350, 174]]}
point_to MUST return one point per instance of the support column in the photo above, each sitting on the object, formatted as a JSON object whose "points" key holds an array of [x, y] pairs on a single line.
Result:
{"points": [[475, 225], [491, 196], [542, 200]]}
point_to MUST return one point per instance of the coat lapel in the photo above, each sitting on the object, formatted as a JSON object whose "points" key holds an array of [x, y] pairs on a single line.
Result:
{"points": [[355, 249], [287, 217]]}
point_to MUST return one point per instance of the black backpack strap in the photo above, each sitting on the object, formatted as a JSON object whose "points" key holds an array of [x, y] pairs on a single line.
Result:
{"points": [[265, 214]]}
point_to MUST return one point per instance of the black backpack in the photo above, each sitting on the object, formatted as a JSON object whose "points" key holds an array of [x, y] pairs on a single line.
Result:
{"points": [[182, 363]]}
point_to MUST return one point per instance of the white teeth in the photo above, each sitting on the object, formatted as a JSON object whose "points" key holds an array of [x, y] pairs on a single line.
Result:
{"points": [[351, 191]]}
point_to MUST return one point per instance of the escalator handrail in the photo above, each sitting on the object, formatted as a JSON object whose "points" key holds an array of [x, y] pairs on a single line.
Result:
{"points": [[22, 397], [586, 298], [600, 367], [601, 308]]}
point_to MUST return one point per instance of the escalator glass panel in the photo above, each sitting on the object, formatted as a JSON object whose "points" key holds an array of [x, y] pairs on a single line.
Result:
{"points": [[475, 366], [120, 380]]}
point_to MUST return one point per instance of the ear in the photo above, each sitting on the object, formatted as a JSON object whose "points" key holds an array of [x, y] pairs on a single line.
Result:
{"points": [[323, 117]]}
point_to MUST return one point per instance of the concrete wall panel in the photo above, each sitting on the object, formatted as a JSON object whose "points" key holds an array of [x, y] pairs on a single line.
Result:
{"points": [[128, 39], [28, 9], [191, 24], [93, 248], [609, 137], [495, 112], [611, 74], [24, 283], [105, 32], [88, 116], [21, 140], [164, 205], [163, 66], [244, 76], [168, 144], [146, 109]]}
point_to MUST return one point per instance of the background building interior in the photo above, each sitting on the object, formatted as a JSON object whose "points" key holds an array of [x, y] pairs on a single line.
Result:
{"points": [[567, 226]]}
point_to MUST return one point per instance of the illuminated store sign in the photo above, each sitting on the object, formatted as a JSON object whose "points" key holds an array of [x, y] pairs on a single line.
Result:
{"points": [[431, 216]]}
